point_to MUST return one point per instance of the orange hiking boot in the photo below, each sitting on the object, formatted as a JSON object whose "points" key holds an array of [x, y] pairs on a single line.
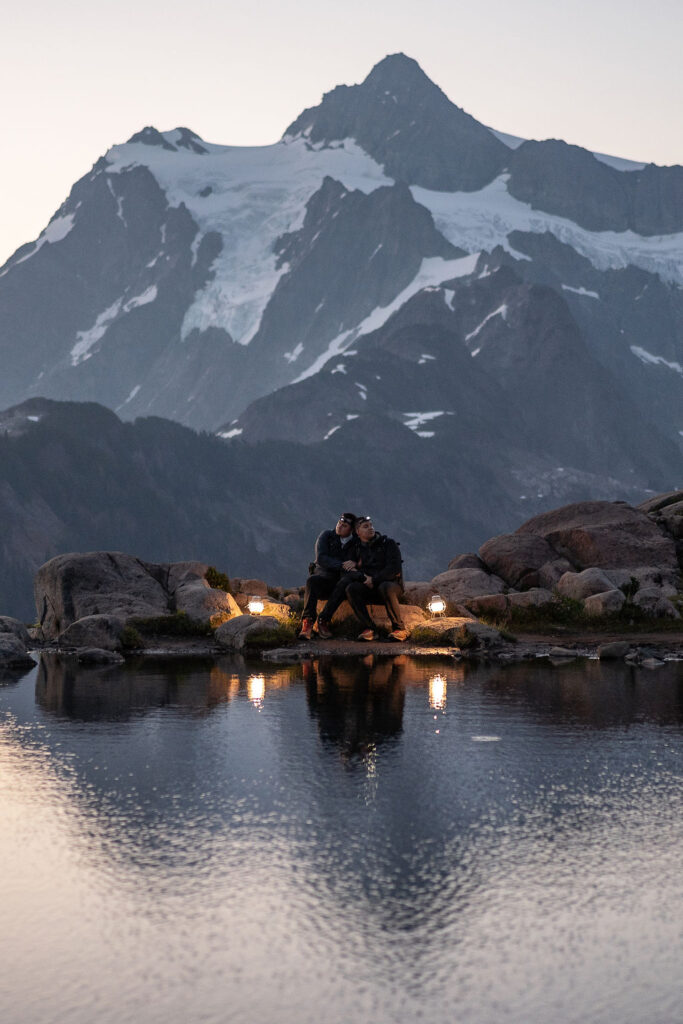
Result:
{"points": [[399, 634]]}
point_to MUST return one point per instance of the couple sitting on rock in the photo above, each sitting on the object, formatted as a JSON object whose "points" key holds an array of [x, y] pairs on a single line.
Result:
{"points": [[355, 564]]}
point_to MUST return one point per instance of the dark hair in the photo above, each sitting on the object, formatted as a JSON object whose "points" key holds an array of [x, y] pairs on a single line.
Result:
{"points": [[347, 517]]}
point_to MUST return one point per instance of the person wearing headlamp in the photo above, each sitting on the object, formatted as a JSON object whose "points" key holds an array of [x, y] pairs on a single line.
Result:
{"points": [[334, 555]]}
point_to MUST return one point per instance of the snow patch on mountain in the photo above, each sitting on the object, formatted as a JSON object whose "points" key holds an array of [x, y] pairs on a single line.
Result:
{"points": [[251, 195], [433, 271], [86, 339], [57, 229], [580, 291], [617, 162], [502, 311], [648, 357], [130, 398], [482, 220]]}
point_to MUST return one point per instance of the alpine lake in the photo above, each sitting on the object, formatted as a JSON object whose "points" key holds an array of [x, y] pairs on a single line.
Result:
{"points": [[380, 839]]}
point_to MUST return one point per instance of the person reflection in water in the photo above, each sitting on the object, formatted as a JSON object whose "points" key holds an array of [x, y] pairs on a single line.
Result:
{"points": [[357, 705]]}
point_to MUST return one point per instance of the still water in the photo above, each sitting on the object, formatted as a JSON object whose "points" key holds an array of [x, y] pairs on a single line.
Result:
{"points": [[387, 840]]}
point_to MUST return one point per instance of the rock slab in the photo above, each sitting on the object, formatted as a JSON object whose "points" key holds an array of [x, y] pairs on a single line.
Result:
{"points": [[75, 586]]}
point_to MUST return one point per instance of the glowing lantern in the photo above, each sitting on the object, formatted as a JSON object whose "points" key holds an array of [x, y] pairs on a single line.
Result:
{"points": [[255, 606], [437, 693], [436, 605]]}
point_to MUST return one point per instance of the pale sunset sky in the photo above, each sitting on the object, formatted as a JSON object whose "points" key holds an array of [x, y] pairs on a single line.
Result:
{"points": [[78, 77]]}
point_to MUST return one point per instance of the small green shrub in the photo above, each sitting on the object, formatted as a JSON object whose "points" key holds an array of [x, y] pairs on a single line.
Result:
{"points": [[217, 580], [281, 636], [131, 639], [566, 614], [273, 592], [179, 624]]}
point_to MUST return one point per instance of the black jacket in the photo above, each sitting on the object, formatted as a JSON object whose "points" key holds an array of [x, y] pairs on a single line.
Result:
{"points": [[330, 553], [380, 558]]}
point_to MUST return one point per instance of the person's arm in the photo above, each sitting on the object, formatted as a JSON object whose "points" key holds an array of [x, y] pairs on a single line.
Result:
{"points": [[323, 555], [350, 555]]}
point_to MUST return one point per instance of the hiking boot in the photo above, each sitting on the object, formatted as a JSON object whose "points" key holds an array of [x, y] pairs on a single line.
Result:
{"points": [[324, 631], [367, 634], [306, 630], [399, 635]]}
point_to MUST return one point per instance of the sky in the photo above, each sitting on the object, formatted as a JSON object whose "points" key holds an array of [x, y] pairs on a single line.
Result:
{"points": [[78, 77]]}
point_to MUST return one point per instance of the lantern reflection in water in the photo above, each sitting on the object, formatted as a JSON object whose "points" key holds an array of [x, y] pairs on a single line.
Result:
{"points": [[256, 690], [437, 692]]}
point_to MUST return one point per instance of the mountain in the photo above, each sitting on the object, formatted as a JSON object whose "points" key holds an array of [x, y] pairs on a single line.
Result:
{"points": [[393, 292], [186, 279]]}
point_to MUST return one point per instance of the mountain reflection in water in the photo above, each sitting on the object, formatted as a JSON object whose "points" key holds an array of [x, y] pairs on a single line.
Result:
{"points": [[334, 840]]}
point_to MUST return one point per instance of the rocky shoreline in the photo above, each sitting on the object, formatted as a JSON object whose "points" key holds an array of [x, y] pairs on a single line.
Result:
{"points": [[594, 579], [633, 648]]}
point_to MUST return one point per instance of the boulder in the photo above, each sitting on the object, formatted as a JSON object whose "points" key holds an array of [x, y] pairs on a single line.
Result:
{"points": [[671, 518], [580, 585], [244, 630], [516, 557], [447, 624], [647, 576], [661, 501], [458, 585], [418, 592], [615, 650], [13, 653], [489, 604], [467, 561], [604, 604], [561, 652], [475, 635], [550, 573], [70, 587], [193, 595], [604, 534], [75, 586], [101, 631], [538, 597], [412, 615], [252, 588], [651, 601], [15, 627]]}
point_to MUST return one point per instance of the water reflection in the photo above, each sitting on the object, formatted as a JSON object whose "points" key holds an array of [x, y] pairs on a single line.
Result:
{"points": [[333, 841], [196, 686], [437, 692], [598, 694], [357, 704]]}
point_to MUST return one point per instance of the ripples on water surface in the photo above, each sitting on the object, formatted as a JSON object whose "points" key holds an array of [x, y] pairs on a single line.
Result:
{"points": [[379, 840]]}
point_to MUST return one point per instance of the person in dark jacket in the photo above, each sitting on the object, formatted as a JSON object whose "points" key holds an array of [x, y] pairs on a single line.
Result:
{"points": [[377, 579], [333, 556]]}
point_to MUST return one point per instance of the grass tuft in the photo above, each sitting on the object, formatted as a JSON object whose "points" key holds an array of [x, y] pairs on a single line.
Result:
{"points": [[179, 624]]}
